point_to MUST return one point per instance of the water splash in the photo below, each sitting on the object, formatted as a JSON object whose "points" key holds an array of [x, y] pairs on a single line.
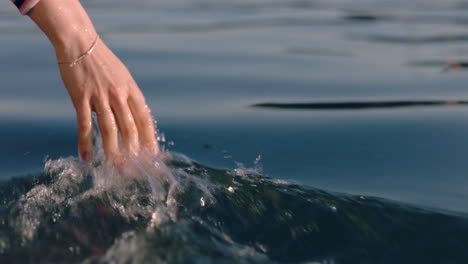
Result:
{"points": [[148, 210], [256, 168]]}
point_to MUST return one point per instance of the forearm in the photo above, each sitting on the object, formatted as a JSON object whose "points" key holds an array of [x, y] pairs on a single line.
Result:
{"points": [[66, 24]]}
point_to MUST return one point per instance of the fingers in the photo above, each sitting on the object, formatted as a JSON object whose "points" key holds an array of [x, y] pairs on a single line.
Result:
{"points": [[118, 111], [143, 121], [108, 129], [85, 131], [127, 128]]}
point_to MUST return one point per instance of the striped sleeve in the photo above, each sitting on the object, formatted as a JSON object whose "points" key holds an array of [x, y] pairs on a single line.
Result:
{"points": [[25, 5]]}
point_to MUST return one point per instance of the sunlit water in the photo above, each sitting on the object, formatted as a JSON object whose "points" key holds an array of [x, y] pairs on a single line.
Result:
{"points": [[202, 66]]}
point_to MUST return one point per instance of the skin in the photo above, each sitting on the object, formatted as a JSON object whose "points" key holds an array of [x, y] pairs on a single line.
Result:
{"points": [[99, 83]]}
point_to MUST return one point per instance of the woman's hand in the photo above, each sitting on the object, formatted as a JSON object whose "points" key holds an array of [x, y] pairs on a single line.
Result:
{"points": [[99, 82]]}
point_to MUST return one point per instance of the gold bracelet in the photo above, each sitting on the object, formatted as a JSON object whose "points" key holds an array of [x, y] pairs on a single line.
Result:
{"points": [[82, 56]]}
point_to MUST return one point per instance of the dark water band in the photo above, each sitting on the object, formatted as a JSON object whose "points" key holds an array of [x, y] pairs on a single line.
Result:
{"points": [[358, 104]]}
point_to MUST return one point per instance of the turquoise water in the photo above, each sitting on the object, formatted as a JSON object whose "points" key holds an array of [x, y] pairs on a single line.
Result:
{"points": [[203, 64]]}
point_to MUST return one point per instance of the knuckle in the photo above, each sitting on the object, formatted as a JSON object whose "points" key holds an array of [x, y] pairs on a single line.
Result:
{"points": [[115, 91], [118, 100], [98, 100], [79, 98], [137, 96], [84, 126], [107, 131], [148, 119], [127, 130]]}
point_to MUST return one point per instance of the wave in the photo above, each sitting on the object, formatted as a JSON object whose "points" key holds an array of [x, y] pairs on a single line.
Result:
{"points": [[179, 211]]}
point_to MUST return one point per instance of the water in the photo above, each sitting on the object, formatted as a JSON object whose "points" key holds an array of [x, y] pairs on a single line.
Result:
{"points": [[203, 64], [147, 213]]}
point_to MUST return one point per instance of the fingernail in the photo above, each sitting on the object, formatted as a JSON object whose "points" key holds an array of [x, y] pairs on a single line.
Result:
{"points": [[85, 155]]}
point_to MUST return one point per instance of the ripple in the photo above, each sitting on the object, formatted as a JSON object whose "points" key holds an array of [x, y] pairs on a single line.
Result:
{"points": [[444, 65], [364, 17], [226, 25], [408, 39], [317, 51], [354, 105]]}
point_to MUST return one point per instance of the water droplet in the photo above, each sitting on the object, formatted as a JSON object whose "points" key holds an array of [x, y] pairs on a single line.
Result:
{"points": [[161, 137], [258, 159]]}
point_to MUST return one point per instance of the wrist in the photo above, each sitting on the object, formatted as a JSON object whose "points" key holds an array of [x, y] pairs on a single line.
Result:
{"points": [[88, 52], [70, 46]]}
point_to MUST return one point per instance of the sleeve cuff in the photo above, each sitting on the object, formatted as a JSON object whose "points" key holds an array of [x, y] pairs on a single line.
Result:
{"points": [[24, 6]]}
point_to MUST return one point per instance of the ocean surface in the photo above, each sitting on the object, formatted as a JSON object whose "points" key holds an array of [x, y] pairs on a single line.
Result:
{"points": [[297, 131]]}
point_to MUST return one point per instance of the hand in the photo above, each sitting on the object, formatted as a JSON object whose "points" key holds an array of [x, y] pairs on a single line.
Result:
{"points": [[101, 83]]}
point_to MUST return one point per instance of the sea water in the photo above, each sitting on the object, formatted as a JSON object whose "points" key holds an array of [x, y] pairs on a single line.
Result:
{"points": [[202, 66], [179, 211]]}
